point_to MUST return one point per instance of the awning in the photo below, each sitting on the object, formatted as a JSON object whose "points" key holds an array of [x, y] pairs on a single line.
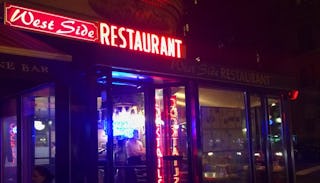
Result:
{"points": [[16, 42]]}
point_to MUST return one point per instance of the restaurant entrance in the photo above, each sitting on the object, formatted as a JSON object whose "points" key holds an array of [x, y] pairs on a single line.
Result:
{"points": [[142, 129]]}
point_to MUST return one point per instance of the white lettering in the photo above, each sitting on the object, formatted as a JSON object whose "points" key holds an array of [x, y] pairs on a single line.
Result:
{"points": [[104, 33], [146, 40], [137, 42], [130, 31], [123, 39], [171, 47], [163, 46], [30, 20], [68, 28], [178, 42], [155, 44], [22, 16], [113, 35]]}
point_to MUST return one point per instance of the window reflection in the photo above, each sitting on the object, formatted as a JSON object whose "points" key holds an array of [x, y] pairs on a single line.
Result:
{"points": [[9, 151], [258, 142], [128, 125], [39, 110], [224, 142], [277, 156], [44, 129]]}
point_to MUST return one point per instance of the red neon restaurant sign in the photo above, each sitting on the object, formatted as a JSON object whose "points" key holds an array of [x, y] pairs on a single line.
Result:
{"points": [[100, 32]]}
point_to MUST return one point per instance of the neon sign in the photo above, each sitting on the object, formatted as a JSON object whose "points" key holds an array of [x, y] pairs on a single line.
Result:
{"points": [[13, 132], [167, 171], [40, 21], [99, 32], [125, 121], [159, 122], [174, 136], [122, 37]]}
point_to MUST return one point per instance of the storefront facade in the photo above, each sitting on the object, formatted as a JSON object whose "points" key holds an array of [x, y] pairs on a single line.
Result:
{"points": [[197, 122]]}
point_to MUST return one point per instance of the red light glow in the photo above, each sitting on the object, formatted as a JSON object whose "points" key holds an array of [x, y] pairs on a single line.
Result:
{"points": [[122, 37], [293, 95], [103, 33], [159, 122], [13, 132], [174, 136], [40, 21]]}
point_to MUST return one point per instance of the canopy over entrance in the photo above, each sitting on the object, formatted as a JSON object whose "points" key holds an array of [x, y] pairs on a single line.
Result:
{"points": [[15, 42]]}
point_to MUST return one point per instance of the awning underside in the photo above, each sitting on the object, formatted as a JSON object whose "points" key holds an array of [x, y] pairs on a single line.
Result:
{"points": [[14, 42]]}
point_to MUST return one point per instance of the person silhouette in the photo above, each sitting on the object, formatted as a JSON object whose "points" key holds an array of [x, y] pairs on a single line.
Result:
{"points": [[41, 174], [135, 149]]}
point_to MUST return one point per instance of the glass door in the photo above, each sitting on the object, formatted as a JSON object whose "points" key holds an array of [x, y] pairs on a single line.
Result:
{"points": [[171, 135], [224, 137], [122, 131], [276, 141], [268, 140], [142, 135], [129, 133]]}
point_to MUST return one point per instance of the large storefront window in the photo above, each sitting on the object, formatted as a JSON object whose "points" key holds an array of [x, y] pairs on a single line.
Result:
{"points": [[38, 122], [8, 121], [223, 136], [27, 139], [276, 141]]}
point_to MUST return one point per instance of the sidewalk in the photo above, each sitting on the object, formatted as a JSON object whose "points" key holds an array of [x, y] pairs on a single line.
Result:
{"points": [[308, 175]]}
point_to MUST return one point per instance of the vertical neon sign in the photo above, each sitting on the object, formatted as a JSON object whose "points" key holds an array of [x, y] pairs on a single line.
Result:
{"points": [[13, 132], [174, 136], [159, 122]]}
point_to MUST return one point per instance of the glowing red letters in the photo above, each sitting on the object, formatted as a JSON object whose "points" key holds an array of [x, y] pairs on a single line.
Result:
{"points": [[103, 33]]}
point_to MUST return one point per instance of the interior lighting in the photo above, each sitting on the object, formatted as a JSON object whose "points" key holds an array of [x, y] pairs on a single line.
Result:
{"points": [[257, 154], [38, 125], [279, 154], [278, 120]]}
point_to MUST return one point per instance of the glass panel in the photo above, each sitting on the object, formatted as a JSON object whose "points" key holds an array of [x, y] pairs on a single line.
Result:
{"points": [[258, 143], [172, 154], [277, 153], [39, 111], [102, 134], [223, 136], [102, 126], [8, 121], [128, 132]]}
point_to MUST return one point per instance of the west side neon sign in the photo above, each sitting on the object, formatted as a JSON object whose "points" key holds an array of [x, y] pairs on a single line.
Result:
{"points": [[99, 32]]}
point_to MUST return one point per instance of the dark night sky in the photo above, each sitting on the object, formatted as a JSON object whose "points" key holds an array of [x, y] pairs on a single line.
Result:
{"points": [[238, 30]]}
